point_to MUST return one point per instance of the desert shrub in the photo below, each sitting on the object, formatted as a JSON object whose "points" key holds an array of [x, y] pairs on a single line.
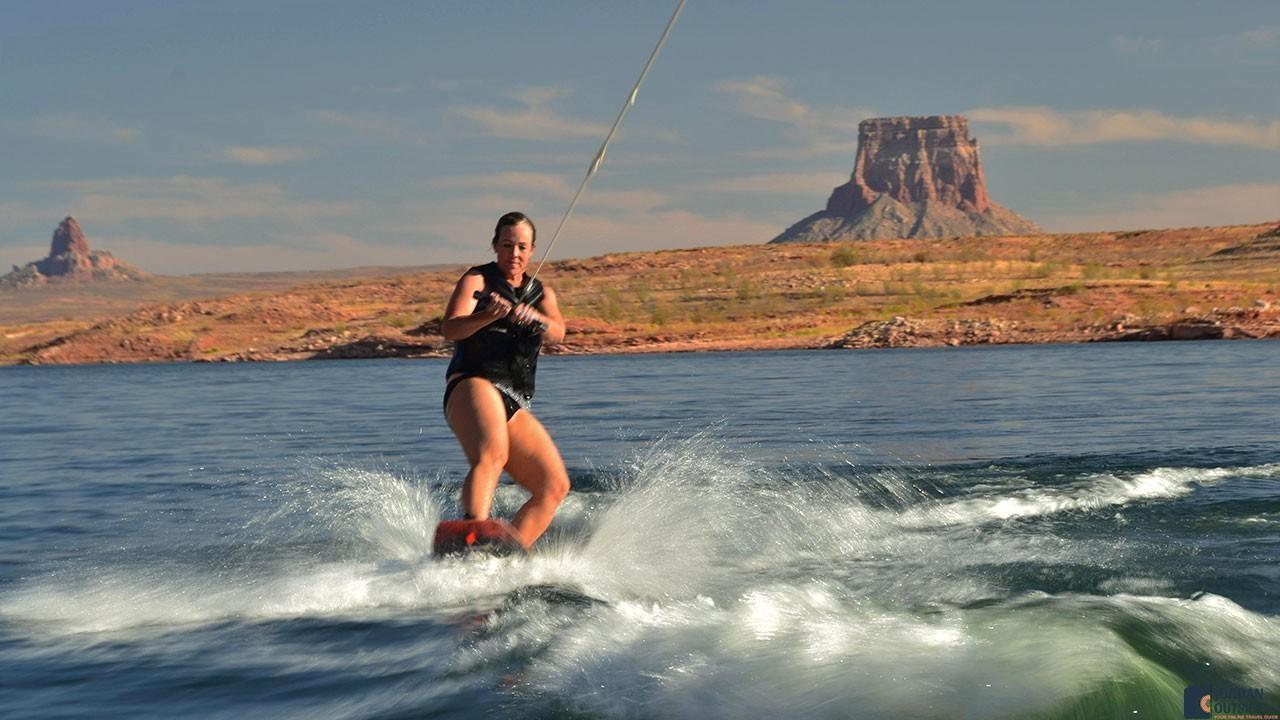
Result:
{"points": [[769, 306], [833, 293], [661, 313], [1045, 269], [1093, 271], [399, 321], [610, 306], [708, 312], [727, 272], [845, 255]]}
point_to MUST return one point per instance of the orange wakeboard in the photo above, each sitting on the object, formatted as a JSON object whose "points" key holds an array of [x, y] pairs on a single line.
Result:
{"points": [[492, 536]]}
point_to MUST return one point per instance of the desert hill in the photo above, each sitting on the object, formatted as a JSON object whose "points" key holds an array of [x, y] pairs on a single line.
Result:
{"points": [[76, 303], [1185, 283]]}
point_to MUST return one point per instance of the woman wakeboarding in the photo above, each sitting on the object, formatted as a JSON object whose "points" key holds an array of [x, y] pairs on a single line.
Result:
{"points": [[499, 317]]}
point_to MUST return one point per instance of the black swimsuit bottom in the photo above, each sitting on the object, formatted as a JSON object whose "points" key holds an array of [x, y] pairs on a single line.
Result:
{"points": [[508, 403]]}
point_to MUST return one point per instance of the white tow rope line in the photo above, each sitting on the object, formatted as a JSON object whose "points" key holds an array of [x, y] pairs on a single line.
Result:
{"points": [[599, 158]]}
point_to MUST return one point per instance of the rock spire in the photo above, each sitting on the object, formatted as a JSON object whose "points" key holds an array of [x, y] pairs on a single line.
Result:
{"points": [[71, 260], [913, 177]]}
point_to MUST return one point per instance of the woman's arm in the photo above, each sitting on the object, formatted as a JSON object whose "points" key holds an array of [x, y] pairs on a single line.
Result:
{"points": [[461, 318]]}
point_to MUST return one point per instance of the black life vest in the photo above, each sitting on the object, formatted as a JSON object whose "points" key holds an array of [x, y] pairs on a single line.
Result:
{"points": [[503, 351]]}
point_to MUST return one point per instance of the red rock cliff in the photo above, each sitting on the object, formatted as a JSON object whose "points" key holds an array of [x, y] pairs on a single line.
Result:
{"points": [[913, 177], [71, 260], [913, 160]]}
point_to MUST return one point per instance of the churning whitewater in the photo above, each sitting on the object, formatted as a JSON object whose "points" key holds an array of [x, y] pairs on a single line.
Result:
{"points": [[695, 583]]}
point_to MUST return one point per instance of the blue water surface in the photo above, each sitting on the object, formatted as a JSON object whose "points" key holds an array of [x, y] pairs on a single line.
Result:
{"points": [[213, 540]]}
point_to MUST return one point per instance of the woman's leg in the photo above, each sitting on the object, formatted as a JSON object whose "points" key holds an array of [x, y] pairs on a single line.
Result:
{"points": [[479, 420], [535, 463]]}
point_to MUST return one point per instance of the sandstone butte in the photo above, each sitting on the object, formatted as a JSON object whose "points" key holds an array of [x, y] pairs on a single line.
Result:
{"points": [[913, 177], [71, 261], [1191, 283]]}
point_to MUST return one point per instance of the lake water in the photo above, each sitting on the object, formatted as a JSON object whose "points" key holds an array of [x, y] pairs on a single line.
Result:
{"points": [[1057, 531]]}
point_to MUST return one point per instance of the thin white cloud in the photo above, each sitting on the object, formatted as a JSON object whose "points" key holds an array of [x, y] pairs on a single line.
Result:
{"points": [[534, 119], [1137, 45], [188, 199], [1237, 204], [545, 183], [629, 201], [501, 189], [538, 95], [18, 255], [1263, 37], [762, 97], [376, 89], [593, 233], [813, 150], [812, 183], [369, 126], [283, 252], [13, 214], [811, 131], [261, 155], [1045, 126], [72, 127], [604, 221]]}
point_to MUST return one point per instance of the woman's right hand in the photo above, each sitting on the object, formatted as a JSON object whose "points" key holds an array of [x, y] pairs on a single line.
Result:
{"points": [[495, 306]]}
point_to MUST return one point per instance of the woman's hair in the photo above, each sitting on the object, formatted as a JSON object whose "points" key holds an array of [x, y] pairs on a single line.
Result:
{"points": [[512, 219]]}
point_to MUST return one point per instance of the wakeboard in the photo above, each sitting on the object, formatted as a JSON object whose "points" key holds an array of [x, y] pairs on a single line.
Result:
{"points": [[492, 536], [551, 594]]}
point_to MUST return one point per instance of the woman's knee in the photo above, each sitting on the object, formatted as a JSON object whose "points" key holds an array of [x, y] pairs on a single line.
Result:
{"points": [[556, 487], [491, 461]]}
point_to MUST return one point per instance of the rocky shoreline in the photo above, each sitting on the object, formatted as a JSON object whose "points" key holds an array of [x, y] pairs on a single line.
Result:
{"points": [[1234, 323], [1167, 285]]}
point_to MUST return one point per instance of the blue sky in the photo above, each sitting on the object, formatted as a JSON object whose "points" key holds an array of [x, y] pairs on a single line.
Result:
{"points": [[270, 135]]}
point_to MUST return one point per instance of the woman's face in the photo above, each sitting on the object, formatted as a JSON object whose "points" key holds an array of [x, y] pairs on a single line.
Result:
{"points": [[514, 248]]}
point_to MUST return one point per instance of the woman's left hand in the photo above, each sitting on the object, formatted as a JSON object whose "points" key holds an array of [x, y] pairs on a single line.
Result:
{"points": [[526, 315]]}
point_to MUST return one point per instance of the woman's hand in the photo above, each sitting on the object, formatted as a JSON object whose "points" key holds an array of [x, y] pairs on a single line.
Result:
{"points": [[494, 306], [525, 315], [471, 310]]}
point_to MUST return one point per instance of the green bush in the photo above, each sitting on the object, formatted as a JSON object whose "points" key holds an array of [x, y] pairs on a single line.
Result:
{"points": [[749, 290], [845, 255]]}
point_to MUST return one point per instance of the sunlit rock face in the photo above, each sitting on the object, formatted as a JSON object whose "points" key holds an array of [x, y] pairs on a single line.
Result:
{"points": [[913, 177], [71, 260]]}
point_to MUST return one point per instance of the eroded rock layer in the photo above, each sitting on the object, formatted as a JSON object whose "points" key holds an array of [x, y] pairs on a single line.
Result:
{"points": [[71, 260], [913, 177]]}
